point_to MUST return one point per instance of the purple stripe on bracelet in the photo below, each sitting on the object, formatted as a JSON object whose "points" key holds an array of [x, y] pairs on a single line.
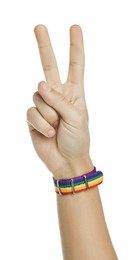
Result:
{"points": [[89, 176], [80, 179], [93, 173]]}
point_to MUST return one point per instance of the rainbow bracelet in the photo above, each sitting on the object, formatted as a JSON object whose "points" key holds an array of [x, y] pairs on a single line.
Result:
{"points": [[77, 184]]}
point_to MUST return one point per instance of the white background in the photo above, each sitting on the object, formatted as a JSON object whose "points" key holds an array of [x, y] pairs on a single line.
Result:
{"points": [[28, 215]]}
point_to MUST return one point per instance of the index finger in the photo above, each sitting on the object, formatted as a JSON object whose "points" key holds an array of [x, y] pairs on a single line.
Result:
{"points": [[47, 56]]}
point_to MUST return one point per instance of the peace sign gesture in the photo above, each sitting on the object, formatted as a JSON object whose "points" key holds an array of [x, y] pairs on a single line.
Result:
{"points": [[59, 123]]}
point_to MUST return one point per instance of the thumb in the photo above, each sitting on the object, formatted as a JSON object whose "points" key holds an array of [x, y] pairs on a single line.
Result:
{"points": [[57, 100]]}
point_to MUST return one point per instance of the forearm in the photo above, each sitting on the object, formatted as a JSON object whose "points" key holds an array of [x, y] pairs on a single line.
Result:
{"points": [[83, 230]]}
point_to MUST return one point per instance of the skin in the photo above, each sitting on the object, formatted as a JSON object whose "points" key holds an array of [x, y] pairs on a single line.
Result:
{"points": [[58, 126]]}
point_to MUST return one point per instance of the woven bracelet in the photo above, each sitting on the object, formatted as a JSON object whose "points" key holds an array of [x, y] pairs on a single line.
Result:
{"points": [[77, 184]]}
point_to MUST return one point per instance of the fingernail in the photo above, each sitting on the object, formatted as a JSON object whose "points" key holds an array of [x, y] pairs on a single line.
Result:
{"points": [[51, 132], [46, 87]]}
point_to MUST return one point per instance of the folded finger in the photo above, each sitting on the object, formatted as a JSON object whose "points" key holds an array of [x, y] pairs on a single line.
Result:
{"points": [[45, 110], [35, 119]]}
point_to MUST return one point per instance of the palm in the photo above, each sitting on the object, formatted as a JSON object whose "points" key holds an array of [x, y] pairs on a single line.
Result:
{"points": [[52, 151], [49, 149]]}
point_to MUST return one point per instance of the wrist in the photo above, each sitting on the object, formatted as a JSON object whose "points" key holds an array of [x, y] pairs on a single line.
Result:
{"points": [[74, 168]]}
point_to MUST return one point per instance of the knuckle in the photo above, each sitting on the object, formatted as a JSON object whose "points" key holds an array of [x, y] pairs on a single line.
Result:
{"points": [[48, 67], [30, 112], [76, 64], [35, 96], [51, 116], [45, 46]]}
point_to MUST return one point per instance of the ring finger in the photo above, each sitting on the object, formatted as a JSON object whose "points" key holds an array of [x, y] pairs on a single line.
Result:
{"points": [[37, 122], [45, 110]]}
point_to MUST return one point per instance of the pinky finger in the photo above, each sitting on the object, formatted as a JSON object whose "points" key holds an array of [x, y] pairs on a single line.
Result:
{"points": [[38, 123]]}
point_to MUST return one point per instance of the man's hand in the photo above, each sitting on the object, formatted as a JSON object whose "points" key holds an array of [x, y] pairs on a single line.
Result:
{"points": [[59, 123]]}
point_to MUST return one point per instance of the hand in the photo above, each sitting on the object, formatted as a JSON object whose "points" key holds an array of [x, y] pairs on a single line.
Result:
{"points": [[59, 123]]}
